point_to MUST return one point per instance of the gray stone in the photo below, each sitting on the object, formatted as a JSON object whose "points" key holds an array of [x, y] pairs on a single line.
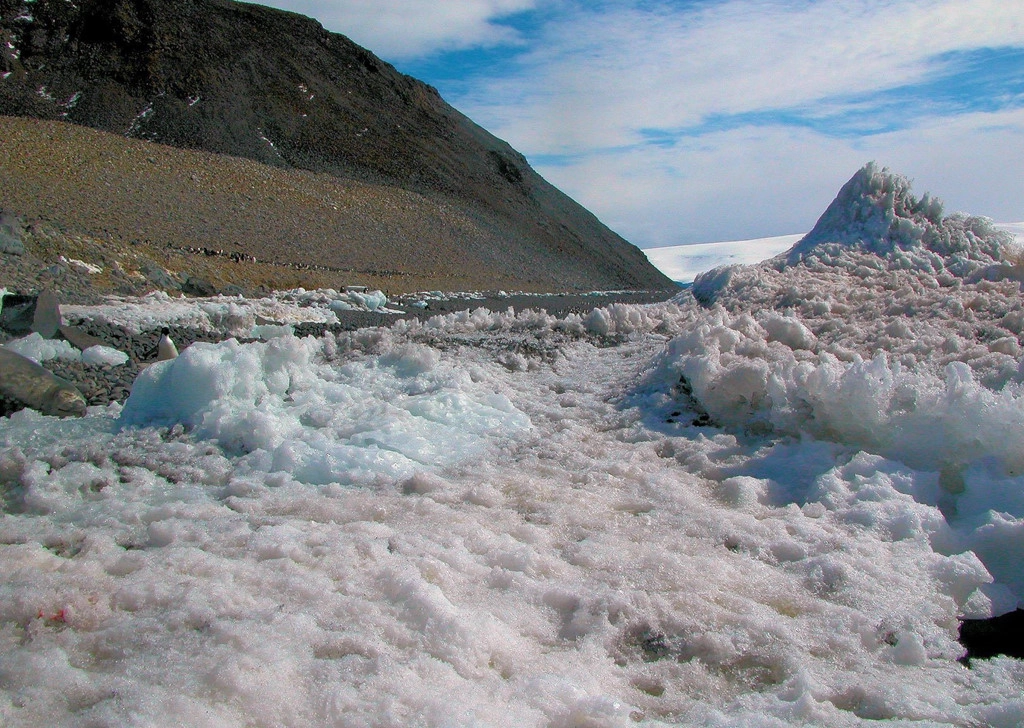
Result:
{"points": [[11, 230], [11, 246], [47, 320], [198, 287], [160, 277], [79, 338]]}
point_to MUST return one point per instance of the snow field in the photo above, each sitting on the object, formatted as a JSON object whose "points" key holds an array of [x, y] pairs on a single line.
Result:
{"points": [[597, 566]]}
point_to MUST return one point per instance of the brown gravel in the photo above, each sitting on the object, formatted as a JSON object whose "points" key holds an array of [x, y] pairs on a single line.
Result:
{"points": [[100, 197]]}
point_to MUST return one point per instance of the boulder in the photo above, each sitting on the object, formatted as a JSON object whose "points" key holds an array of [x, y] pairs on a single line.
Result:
{"points": [[198, 287], [17, 313], [160, 277], [46, 320]]}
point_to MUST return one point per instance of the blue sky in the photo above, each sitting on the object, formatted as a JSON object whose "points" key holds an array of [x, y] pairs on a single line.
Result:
{"points": [[680, 121]]}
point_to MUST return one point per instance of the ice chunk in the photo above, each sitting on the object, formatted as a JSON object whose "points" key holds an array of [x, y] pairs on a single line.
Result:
{"points": [[789, 331], [40, 349], [104, 356]]}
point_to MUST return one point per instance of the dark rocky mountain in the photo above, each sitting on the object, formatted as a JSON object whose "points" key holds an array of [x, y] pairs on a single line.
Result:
{"points": [[275, 87]]}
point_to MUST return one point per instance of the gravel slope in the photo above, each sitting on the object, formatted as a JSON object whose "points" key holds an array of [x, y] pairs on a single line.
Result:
{"points": [[130, 198]]}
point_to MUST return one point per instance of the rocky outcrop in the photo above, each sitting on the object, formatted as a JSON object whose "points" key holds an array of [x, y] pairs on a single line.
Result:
{"points": [[275, 87], [10, 235]]}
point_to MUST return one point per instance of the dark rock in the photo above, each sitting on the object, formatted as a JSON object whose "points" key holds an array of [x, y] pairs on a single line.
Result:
{"points": [[17, 313], [275, 87], [985, 638]]}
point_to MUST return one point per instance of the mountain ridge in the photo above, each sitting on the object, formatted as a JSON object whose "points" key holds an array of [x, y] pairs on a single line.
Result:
{"points": [[274, 87]]}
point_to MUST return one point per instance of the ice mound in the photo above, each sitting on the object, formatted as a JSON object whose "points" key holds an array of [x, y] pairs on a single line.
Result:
{"points": [[876, 213], [876, 224], [360, 301], [885, 272], [282, 407]]}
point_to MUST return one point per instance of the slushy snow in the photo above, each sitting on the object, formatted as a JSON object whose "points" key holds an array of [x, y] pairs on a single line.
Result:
{"points": [[766, 504]]}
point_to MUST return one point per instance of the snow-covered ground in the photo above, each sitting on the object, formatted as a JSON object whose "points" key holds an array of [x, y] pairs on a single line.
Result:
{"points": [[683, 263], [764, 510]]}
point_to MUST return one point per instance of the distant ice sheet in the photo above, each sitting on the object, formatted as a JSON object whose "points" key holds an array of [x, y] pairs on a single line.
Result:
{"points": [[683, 263]]}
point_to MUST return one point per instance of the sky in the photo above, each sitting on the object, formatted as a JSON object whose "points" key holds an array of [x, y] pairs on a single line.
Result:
{"points": [[684, 121]]}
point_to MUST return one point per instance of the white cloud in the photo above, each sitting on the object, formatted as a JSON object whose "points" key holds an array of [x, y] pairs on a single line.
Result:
{"points": [[753, 182], [599, 77], [400, 29]]}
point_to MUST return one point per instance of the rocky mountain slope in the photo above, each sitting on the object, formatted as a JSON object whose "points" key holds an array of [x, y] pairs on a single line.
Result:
{"points": [[417, 187]]}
